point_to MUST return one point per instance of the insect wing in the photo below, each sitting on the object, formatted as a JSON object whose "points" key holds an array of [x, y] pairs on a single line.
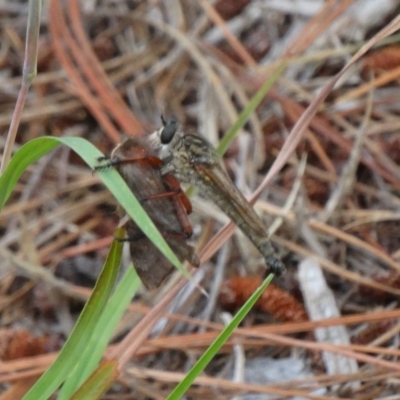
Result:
{"points": [[228, 197]]}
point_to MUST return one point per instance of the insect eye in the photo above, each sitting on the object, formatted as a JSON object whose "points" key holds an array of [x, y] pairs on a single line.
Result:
{"points": [[169, 130]]}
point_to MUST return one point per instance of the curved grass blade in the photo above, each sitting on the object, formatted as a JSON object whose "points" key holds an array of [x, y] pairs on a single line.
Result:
{"points": [[37, 148], [26, 155], [76, 344], [103, 332]]}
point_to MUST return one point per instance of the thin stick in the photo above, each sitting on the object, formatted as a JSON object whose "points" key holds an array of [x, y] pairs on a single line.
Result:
{"points": [[29, 72]]}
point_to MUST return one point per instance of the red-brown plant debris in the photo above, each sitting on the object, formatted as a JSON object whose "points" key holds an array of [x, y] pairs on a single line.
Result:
{"points": [[372, 332], [228, 9], [375, 295], [382, 60], [274, 300], [20, 343]]}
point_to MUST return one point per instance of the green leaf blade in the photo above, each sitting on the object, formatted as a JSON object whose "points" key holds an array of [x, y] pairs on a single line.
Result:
{"points": [[208, 355]]}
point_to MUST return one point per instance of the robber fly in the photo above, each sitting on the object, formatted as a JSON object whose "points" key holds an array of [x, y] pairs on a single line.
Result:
{"points": [[165, 203], [191, 159]]}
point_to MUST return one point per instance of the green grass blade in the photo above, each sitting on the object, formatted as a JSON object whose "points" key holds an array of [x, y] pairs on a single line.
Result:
{"points": [[103, 332], [76, 344], [203, 361], [245, 114], [98, 383], [26, 155]]}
